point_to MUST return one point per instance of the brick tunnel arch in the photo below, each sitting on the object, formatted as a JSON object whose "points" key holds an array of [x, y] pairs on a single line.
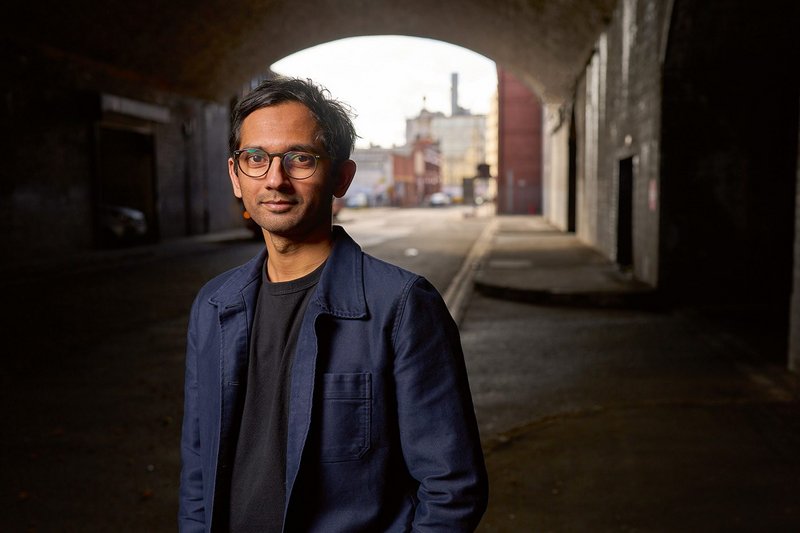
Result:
{"points": [[166, 70], [549, 84], [211, 49], [158, 70]]}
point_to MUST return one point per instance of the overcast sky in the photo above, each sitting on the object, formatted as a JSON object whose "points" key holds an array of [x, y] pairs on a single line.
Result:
{"points": [[385, 78]]}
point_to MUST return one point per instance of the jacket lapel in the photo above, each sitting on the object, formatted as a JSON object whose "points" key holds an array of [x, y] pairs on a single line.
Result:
{"points": [[340, 294], [236, 304]]}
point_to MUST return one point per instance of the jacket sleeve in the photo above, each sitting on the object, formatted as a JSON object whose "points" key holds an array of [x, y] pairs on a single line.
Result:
{"points": [[191, 511], [438, 429]]}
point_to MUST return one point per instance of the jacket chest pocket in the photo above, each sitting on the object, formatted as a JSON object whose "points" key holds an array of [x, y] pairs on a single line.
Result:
{"points": [[345, 417]]}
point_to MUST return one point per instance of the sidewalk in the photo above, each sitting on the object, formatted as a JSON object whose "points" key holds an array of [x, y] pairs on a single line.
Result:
{"points": [[16, 270], [597, 412], [532, 261], [601, 411]]}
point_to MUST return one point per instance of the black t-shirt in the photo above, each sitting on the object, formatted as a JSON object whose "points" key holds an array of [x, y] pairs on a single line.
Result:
{"points": [[258, 484]]}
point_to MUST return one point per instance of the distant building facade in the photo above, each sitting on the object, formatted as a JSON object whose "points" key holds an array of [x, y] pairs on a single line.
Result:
{"points": [[404, 190], [403, 176], [375, 175], [461, 139], [426, 158], [421, 126], [492, 140], [492, 134]]}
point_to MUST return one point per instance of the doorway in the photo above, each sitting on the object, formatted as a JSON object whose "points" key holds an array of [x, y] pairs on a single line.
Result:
{"points": [[625, 215], [572, 177], [125, 192]]}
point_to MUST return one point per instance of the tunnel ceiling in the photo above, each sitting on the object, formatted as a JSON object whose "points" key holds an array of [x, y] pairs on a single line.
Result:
{"points": [[209, 48]]}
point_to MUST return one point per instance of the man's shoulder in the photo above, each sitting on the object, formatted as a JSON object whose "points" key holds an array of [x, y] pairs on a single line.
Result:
{"points": [[231, 281], [350, 261], [384, 280], [380, 271]]}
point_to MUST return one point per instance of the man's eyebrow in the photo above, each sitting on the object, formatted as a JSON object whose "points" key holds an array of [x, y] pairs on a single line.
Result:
{"points": [[303, 148], [292, 148]]}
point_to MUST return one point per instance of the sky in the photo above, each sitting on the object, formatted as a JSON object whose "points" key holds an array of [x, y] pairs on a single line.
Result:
{"points": [[384, 80]]}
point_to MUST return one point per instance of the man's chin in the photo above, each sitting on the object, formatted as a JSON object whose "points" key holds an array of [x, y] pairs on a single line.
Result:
{"points": [[283, 226], [281, 230], [299, 232]]}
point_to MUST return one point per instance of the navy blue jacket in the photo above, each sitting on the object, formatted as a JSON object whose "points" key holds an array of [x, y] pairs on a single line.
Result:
{"points": [[382, 433]]}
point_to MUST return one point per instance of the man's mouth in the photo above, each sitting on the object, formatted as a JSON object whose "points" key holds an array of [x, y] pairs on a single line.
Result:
{"points": [[277, 204]]}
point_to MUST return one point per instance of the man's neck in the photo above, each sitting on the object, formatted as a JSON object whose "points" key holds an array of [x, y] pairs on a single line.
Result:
{"points": [[288, 260]]}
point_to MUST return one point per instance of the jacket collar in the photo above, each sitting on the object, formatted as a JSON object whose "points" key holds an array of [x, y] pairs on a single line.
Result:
{"points": [[243, 278], [340, 291], [341, 288]]}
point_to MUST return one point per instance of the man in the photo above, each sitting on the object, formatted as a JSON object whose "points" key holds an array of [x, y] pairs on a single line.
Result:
{"points": [[325, 389]]}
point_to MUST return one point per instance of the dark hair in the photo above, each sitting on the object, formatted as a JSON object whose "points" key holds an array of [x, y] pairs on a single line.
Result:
{"points": [[337, 133]]}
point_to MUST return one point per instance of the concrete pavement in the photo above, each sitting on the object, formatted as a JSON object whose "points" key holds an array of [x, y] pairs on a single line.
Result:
{"points": [[601, 410], [532, 261]]}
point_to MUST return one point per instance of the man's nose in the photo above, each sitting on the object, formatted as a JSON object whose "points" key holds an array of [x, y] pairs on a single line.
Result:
{"points": [[276, 177]]}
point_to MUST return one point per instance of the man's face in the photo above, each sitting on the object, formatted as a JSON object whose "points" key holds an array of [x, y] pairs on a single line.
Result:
{"points": [[298, 210]]}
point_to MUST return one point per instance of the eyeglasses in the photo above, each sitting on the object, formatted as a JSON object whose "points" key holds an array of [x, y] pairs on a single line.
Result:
{"points": [[255, 162]]}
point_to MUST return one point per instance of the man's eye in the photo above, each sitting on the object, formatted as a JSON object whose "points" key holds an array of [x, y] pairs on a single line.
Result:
{"points": [[301, 158], [255, 158]]}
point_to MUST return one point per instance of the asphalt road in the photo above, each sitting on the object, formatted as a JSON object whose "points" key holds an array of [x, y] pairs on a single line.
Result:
{"points": [[592, 419], [92, 377], [432, 242]]}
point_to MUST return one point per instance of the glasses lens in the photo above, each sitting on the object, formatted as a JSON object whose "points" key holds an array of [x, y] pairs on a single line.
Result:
{"points": [[299, 165], [254, 162]]}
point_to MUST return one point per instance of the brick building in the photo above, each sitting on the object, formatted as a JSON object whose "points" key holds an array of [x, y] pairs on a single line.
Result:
{"points": [[519, 147]]}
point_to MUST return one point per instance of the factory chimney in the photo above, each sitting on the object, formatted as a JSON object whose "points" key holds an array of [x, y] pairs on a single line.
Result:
{"points": [[454, 109]]}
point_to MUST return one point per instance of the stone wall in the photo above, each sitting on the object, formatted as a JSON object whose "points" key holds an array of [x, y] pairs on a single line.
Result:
{"points": [[632, 129], [794, 316], [57, 111], [556, 161], [617, 116], [729, 154], [697, 98]]}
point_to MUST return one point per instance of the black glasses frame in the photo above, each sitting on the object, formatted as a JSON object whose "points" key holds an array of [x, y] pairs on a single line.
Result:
{"points": [[271, 156]]}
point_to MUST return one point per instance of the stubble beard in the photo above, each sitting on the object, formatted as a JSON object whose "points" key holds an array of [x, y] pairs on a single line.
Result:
{"points": [[297, 224]]}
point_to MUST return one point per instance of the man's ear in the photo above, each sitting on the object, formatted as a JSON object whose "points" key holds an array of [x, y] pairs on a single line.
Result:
{"points": [[237, 190], [347, 171]]}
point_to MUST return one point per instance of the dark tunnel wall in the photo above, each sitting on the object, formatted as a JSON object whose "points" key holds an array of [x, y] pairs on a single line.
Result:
{"points": [[729, 153], [67, 128], [182, 67]]}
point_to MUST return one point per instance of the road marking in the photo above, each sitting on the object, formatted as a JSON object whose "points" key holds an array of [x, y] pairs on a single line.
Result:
{"points": [[457, 294], [373, 236], [510, 263]]}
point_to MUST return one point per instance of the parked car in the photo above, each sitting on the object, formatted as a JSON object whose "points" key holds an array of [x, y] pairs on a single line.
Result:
{"points": [[439, 199], [338, 204], [359, 199], [121, 224]]}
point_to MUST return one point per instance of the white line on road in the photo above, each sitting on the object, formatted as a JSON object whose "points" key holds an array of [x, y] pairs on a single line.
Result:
{"points": [[457, 294]]}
